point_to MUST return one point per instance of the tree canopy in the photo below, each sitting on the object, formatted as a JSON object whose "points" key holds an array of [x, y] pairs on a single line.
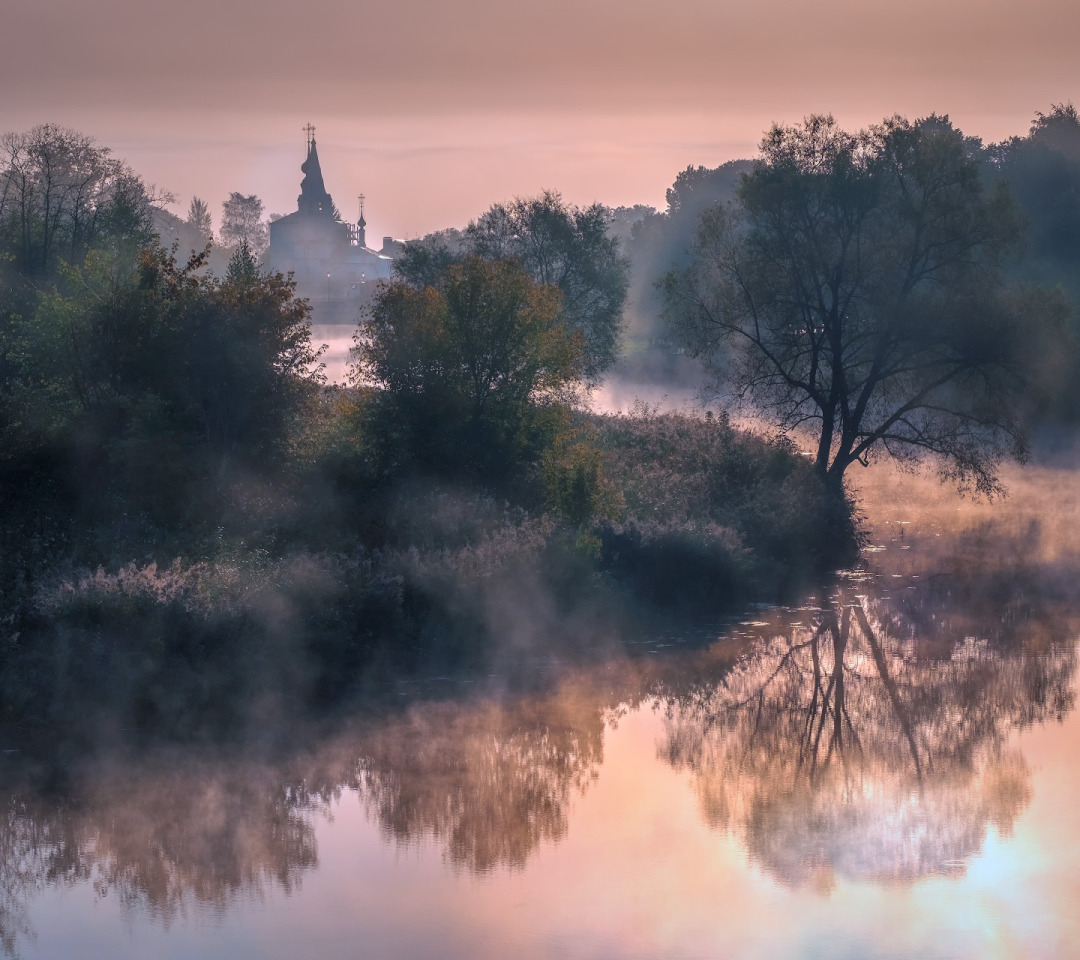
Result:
{"points": [[1043, 173], [464, 368], [556, 244], [856, 288], [242, 223], [61, 194], [155, 373]]}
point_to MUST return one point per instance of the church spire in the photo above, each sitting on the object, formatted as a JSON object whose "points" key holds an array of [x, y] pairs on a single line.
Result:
{"points": [[313, 199], [361, 225]]}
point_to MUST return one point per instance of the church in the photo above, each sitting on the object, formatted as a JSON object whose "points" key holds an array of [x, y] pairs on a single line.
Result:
{"points": [[332, 264]]}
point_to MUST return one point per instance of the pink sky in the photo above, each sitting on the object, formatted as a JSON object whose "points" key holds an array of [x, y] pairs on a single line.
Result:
{"points": [[435, 110]]}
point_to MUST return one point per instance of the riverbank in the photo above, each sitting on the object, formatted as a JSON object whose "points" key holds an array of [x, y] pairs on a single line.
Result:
{"points": [[310, 591]]}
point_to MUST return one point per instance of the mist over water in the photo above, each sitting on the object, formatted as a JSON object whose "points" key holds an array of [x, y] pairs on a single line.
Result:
{"points": [[886, 766], [616, 393]]}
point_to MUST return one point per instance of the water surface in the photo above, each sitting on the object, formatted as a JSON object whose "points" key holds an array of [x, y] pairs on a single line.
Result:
{"points": [[888, 769]]}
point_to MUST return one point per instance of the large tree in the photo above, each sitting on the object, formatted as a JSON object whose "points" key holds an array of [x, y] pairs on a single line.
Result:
{"points": [[855, 288], [558, 245]]}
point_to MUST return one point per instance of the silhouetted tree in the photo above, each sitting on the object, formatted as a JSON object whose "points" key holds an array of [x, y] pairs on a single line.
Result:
{"points": [[61, 194], [1043, 173], [199, 218], [856, 288], [1059, 129]]}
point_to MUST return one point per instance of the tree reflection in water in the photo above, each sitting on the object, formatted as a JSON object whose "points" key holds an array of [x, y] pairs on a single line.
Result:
{"points": [[870, 741], [850, 746], [164, 842], [488, 784]]}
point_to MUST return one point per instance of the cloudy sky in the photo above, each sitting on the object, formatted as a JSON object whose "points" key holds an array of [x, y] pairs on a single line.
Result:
{"points": [[436, 108]]}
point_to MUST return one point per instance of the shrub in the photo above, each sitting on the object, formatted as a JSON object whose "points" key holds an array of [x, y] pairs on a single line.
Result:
{"points": [[470, 376]]}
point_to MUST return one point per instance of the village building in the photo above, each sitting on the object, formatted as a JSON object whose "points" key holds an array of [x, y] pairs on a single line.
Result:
{"points": [[329, 258]]}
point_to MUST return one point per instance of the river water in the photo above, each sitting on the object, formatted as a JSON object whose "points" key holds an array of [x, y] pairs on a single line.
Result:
{"points": [[888, 770]]}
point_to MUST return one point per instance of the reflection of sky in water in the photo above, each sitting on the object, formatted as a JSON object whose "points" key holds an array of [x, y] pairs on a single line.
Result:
{"points": [[637, 874], [560, 825], [338, 339]]}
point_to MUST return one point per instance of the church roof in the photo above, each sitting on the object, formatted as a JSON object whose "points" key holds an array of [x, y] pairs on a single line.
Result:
{"points": [[313, 199]]}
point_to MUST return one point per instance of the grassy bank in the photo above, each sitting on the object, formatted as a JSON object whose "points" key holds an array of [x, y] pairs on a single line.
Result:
{"points": [[304, 590]]}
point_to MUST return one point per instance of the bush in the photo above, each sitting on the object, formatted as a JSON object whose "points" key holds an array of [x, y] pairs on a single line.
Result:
{"points": [[705, 504], [471, 377]]}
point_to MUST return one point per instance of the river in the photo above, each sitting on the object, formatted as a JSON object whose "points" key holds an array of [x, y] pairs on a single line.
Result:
{"points": [[887, 770]]}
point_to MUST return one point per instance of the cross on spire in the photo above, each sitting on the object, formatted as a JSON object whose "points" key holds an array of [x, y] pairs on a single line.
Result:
{"points": [[309, 129], [361, 199]]}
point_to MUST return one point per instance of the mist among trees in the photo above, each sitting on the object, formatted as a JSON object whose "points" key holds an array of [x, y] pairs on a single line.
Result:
{"points": [[174, 461]]}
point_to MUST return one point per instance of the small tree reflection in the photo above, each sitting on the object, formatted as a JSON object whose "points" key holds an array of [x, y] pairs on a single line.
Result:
{"points": [[488, 784], [835, 748], [166, 842]]}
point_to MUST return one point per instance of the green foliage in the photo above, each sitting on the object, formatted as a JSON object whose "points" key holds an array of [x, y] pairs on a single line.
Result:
{"points": [[472, 376], [710, 514], [569, 248], [557, 245], [576, 484], [151, 410], [61, 196], [145, 379]]}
